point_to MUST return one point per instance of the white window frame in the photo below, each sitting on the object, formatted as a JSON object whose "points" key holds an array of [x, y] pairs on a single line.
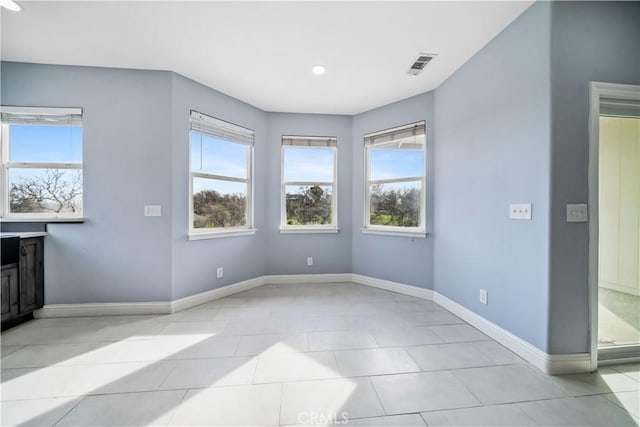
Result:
{"points": [[7, 165], [223, 126], [368, 228], [310, 228]]}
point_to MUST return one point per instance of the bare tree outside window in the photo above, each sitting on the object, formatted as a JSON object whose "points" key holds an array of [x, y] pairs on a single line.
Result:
{"points": [[54, 190]]}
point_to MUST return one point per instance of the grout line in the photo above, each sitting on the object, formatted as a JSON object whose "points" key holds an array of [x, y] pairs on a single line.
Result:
{"points": [[69, 411]]}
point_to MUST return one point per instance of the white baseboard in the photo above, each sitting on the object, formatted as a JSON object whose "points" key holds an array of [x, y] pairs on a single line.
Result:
{"points": [[548, 363], [307, 278], [103, 309], [388, 285], [204, 297]]}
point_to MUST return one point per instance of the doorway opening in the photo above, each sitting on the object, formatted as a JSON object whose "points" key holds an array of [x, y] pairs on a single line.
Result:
{"points": [[614, 181]]}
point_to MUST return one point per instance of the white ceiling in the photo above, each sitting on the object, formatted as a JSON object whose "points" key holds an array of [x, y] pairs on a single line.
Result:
{"points": [[262, 52]]}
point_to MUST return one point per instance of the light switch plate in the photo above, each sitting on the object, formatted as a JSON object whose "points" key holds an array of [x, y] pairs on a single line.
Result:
{"points": [[152, 210], [577, 212], [520, 211]]}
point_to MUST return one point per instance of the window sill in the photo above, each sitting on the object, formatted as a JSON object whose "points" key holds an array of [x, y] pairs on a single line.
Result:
{"points": [[309, 230], [222, 234], [396, 233], [43, 220]]}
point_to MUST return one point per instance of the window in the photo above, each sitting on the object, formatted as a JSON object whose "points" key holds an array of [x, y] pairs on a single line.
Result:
{"points": [[395, 187], [309, 185], [41, 163], [221, 183]]}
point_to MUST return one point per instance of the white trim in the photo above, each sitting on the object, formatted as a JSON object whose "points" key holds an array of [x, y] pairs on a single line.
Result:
{"points": [[214, 294], [598, 90], [308, 230], [307, 278], [284, 184], [548, 363], [221, 234], [397, 233], [40, 110], [103, 309], [368, 182], [388, 285], [13, 218]]}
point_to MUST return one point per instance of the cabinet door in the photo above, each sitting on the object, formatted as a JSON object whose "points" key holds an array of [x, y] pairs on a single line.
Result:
{"points": [[9, 291], [31, 274]]}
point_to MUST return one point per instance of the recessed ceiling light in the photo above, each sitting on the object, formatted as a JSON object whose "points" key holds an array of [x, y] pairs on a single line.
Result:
{"points": [[318, 69], [11, 5]]}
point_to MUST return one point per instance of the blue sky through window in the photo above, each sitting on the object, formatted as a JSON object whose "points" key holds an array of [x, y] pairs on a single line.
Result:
{"points": [[308, 164], [45, 144], [386, 164]]}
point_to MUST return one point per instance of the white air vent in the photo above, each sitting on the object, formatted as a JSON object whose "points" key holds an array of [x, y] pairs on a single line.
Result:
{"points": [[420, 63]]}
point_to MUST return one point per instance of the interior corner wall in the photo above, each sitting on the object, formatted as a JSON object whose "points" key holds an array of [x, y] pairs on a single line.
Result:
{"points": [[287, 253], [194, 262], [591, 41], [492, 149], [117, 255], [397, 259]]}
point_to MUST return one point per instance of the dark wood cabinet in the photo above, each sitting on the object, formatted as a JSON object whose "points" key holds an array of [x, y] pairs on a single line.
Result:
{"points": [[31, 274], [10, 308], [23, 283]]}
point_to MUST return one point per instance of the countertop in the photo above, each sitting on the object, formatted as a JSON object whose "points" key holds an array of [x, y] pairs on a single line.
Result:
{"points": [[23, 235]]}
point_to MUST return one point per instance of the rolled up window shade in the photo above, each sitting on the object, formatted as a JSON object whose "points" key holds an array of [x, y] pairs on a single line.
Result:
{"points": [[407, 137], [41, 116], [620, 107], [220, 129], [309, 141]]}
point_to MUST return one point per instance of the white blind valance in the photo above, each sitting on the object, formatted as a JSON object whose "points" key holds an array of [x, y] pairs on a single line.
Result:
{"points": [[408, 137], [41, 116], [220, 129], [620, 107], [309, 141]]}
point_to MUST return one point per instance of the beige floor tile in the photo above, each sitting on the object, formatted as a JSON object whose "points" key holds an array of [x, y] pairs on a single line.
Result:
{"points": [[629, 400], [36, 412], [459, 333], [129, 409], [340, 340], [577, 411], [510, 383], [251, 345], [427, 391], [307, 401], [604, 380], [250, 405], [376, 361], [203, 373], [483, 416], [279, 367], [400, 337]]}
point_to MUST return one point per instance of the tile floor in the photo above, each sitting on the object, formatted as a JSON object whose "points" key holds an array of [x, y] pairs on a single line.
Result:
{"points": [[317, 354]]}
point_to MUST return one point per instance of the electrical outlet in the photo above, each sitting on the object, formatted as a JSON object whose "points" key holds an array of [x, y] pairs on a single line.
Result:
{"points": [[152, 210], [577, 212], [309, 261], [220, 273], [484, 295], [520, 211]]}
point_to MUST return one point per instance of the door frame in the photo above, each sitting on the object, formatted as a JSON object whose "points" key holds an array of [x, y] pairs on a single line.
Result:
{"points": [[597, 91]]}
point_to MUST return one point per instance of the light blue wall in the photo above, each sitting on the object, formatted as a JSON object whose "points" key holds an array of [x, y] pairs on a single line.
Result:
{"points": [[118, 254], [492, 149], [399, 259], [591, 41], [194, 262], [287, 253]]}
